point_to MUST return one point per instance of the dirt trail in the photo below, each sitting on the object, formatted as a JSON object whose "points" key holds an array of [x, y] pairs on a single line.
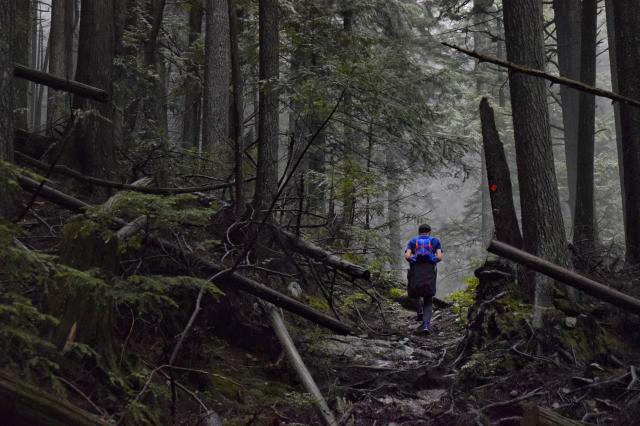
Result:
{"points": [[395, 376]]}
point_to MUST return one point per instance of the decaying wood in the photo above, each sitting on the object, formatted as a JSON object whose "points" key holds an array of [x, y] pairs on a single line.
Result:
{"points": [[540, 416], [59, 83], [24, 405], [549, 77], [64, 170], [279, 327], [593, 288], [318, 253], [205, 267], [499, 179]]}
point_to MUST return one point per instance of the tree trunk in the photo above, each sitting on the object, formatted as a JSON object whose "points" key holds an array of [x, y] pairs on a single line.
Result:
{"points": [[193, 98], [237, 106], [542, 224], [21, 50], [584, 221], [393, 212], [349, 144], [7, 21], [626, 14], [60, 63], [7, 18], [33, 38], [613, 64], [568, 33], [499, 180], [217, 74], [268, 123], [92, 151], [156, 106]]}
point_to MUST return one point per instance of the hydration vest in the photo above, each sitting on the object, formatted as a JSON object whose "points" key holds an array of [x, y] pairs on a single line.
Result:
{"points": [[423, 249]]}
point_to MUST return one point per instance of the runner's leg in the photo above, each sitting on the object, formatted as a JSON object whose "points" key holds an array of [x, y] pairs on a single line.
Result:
{"points": [[428, 309]]}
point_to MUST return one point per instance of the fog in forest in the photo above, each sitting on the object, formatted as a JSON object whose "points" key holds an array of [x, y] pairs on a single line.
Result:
{"points": [[209, 211]]}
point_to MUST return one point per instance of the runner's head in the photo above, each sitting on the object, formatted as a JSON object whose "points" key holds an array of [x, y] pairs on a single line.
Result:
{"points": [[424, 229]]}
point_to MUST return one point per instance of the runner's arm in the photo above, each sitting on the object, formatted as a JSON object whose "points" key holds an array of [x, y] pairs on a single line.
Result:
{"points": [[408, 254], [439, 255]]}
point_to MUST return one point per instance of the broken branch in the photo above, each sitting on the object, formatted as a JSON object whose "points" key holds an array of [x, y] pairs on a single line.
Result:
{"points": [[549, 77]]}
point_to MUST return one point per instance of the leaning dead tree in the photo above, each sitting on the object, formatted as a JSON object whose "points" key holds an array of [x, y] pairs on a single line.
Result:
{"points": [[565, 276], [204, 267], [499, 180]]}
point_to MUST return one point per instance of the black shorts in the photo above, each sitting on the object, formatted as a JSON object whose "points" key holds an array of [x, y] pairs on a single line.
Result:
{"points": [[421, 279]]}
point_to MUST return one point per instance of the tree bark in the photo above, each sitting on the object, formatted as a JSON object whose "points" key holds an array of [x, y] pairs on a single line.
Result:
{"points": [[499, 180], [60, 64], [268, 122], [92, 150], [626, 14], [583, 217], [217, 75], [193, 98], [542, 224], [567, 15]]}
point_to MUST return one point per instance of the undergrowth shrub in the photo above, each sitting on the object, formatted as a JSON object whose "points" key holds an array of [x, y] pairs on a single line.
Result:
{"points": [[463, 299]]}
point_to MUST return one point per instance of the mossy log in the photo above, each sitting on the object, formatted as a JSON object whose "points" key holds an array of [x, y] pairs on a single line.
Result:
{"points": [[570, 278], [24, 405]]}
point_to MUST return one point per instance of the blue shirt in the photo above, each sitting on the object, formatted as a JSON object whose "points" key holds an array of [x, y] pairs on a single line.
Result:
{"points": [[424, 247]]}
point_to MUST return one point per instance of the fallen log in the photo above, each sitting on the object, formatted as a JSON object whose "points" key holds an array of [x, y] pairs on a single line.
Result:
{"points": [[64, 170], [58, 83], [228, 281], [318, 253], [279, 327], [22, 404], [593, 288]]}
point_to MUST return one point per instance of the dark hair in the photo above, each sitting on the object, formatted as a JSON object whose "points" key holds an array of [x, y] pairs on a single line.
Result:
{"points": [[424, 228]]}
